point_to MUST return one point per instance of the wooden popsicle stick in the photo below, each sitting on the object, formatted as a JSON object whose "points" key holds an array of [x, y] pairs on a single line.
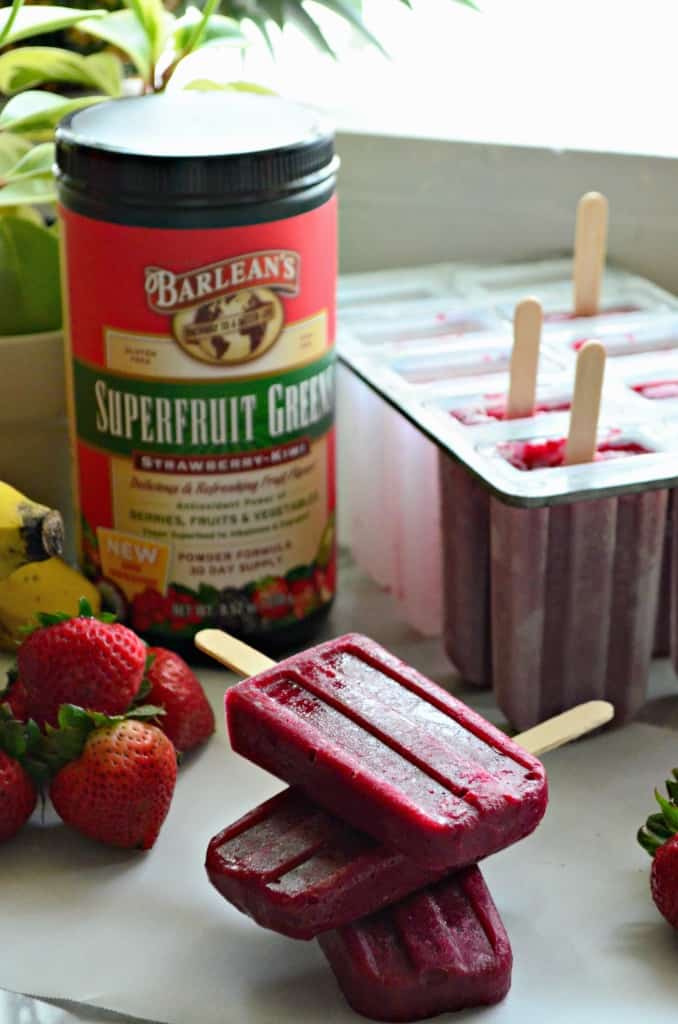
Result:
{"points": [[527, 322], [548, 735], [590, 245], [232, 653], [562, 729], [585, 411]]}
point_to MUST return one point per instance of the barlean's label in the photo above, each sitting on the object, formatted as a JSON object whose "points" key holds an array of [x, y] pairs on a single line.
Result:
{"points": [[202, 389]]}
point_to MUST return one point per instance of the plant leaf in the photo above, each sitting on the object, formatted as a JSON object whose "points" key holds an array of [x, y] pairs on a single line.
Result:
{"points": [[346, 11], [125, 31], [12, 148], [156, 22], [36, 113], [28, 213], [28, 66], [29, 278], [35, 20], [9, 21], [217, 30], [37, 161], [38, 189], [303, 20], [206, 85]]}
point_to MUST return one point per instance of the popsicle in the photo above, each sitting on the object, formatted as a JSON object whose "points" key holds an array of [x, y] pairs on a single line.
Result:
{"points": [[298, 870], [444, 948], [574, 587], [466, 520], [295, 868], [384, 748]]}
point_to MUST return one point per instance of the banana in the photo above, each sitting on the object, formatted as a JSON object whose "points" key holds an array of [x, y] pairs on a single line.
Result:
{"points": [[28, 532], [50, 586]]}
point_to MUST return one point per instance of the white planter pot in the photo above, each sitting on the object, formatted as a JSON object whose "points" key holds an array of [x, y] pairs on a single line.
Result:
{"points": [[34, 445]]}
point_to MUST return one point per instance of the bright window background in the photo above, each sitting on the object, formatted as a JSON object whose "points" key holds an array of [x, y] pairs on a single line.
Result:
{"points": [[590, 74]]}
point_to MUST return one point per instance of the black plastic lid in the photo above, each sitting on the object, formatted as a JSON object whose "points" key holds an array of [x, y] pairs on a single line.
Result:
{"points": [[193, 149]]}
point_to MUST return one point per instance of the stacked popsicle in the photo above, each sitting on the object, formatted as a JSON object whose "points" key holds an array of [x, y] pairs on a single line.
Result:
{"points": [[556, 568], [398, 789]]}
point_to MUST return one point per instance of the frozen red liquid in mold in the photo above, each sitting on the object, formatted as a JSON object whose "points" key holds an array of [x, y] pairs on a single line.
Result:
{"points": [[657, 390], [550, 453], [473, 415], [389, 751], [560, 316], [443, 949]]}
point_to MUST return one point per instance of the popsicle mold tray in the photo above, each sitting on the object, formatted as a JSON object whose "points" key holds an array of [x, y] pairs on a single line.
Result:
{"points": [[551, 583], [435, 343]]}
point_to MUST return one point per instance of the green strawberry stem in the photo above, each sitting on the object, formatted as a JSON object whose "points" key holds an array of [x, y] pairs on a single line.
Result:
{"points": [[23, 742], [46, 619], [663, 824]]}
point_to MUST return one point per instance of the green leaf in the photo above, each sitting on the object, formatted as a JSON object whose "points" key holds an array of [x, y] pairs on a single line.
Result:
{"points": [[39, 188], [36, 113], [348, 13], [275, 10], [669, 810], [12, 148], [35, 20], [28, 66], [125, 31], [648, 842], [9, 21], [217, 30], [29, 278], [146, 711], [206, 85], [144, 689], [37, 161], [310, 28], [29, 213]]}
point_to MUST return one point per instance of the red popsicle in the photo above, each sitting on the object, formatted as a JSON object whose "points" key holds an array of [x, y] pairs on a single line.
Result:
{"points": [[390, 752], [442, 949]]}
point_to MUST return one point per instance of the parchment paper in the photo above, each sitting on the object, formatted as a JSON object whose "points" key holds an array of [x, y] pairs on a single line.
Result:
{"points": [[145, 934]]}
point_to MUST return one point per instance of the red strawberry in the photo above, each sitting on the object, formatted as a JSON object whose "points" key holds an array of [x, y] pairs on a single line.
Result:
{"points": [[15, 696], [659, 837], [664, 880], [188, 718], [86, 661], [119, 788], [18, 794]]}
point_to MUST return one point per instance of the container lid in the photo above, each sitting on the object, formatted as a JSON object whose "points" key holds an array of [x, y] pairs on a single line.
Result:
{"points": [[193, 149]]}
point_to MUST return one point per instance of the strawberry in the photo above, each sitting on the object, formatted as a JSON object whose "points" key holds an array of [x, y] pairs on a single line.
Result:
{"points": [[18, 794], [659, 837], [117, 784], [87, 661], [188, 718], [15, 696]]}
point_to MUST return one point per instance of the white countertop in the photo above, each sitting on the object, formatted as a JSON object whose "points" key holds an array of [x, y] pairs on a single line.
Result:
{"points": [[587, 939]]}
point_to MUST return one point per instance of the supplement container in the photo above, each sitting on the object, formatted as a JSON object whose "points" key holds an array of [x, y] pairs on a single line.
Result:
{"points": [[199, 257]]}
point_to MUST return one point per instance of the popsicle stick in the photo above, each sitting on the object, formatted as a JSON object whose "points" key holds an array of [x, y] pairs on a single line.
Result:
{"points": [[527, 321], [585, 412], [232, 653], [562, 729], [548, 735], [590, 244]]}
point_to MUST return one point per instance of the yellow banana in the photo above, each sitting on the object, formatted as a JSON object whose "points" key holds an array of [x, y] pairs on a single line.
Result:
{"points": [[28, 532], [50, 586]]}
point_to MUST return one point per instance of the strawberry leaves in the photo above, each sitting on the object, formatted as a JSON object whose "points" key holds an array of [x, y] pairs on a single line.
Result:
{"points": [[85, 611], [662, 825], [23, 741]]}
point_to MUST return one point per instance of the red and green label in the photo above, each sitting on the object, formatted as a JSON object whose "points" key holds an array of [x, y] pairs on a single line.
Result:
{"points": [[202, 405]]}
